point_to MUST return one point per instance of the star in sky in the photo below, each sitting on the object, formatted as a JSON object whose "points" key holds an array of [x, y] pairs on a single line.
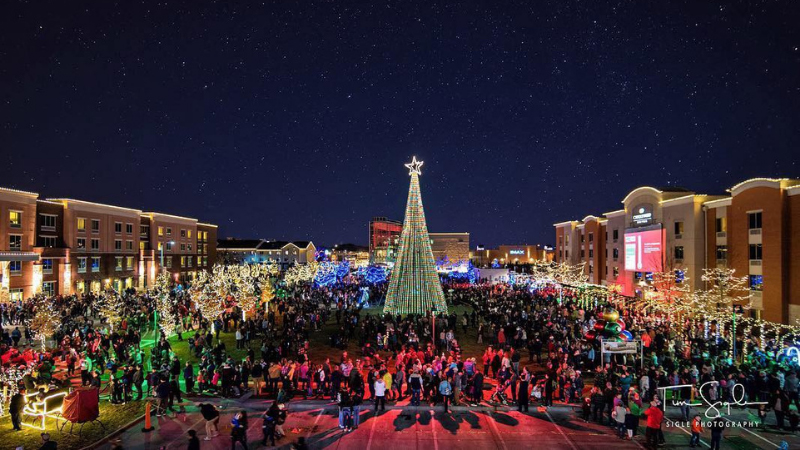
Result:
{"points": [[414, 166]]}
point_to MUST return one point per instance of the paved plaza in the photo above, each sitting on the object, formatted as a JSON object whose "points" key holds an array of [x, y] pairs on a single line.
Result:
{"points": [[405, 427]]}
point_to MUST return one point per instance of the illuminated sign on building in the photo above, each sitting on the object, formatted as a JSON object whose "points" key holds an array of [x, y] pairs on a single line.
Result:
{"points": [[516, 252], [643, 215]]}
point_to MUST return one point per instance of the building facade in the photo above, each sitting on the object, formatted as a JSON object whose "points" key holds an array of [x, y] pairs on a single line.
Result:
{"points": [[511, 254], [754, 230], [68, 246], [384, 240], [284, 253], [451, 249]]}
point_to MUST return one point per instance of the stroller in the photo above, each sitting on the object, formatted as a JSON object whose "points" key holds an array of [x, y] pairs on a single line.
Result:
{"points": [[499, 394]]}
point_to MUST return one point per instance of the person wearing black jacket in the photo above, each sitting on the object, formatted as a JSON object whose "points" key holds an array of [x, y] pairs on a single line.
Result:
{"points": [[598, 405], [15, 409]]}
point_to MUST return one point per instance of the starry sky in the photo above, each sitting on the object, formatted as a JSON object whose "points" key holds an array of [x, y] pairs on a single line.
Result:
{"points": [[293, 119]]}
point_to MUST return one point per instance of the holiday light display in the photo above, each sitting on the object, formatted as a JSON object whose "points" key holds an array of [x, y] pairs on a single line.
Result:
{"points": [[300, 273], [414, 287], [327, 274], [110, 307], [46, 320], [207, 293], [9, 384], [375, 274], [164, 306]]}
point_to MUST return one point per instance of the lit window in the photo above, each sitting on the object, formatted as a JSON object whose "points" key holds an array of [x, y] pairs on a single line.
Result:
{"points": [[142, 245], [81, 265], [169, 231], [129, 262], [118, 263], [15, 267], [160, 231], [15, 242], [96, 264], [81, 243], [15, 219], [81, 224], [47, 266], [678, 228]]}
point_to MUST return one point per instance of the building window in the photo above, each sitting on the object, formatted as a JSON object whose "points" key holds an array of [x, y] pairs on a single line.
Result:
{"points": [[95, 244], [96, 264], [14, 242], [47, 266], [591, 237], [188, 233], [118, 263], [183, 261], [129, 228], [160, 231], [615, 235], [15, 219], [680, 276], [48, 222], [144, 230], [583, 253], [616, 272], [591, 269], [129, 262], [48, 241], [183, 247], [591, 253], [49, 288], [81, 243], [168, 262], [678, 228], [81, 224], [169, 231], [16, 294], [615, 253], [160, 246], [81, 265], [95, 226], [189, 246], [755, 252], [142, 245], [756, 282], [205, 260], [722, 252], [128, 245], [169, 246], [566, 253], [679, 252], [183, 233], [15, 268], [582, 238], [188, 261], [721, 224], [118, 227], [754, 220], [117, 244], [199, 261]]}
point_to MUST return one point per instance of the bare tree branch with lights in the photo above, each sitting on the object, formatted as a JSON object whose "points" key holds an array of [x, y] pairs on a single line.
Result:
{"points": [[46, 320]]}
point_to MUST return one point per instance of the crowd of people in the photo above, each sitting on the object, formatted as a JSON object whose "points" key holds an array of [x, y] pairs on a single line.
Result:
{"points": [[532, 347]]}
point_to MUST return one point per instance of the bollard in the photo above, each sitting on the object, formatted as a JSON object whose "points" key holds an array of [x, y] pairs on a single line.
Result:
{"points": [[148, 425]]}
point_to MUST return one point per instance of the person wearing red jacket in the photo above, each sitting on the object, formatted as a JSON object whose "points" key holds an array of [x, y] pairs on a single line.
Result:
{"points": [[654, 418], [697, 428]]}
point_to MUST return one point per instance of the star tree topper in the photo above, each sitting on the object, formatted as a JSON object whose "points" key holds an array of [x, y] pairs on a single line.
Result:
{"points": [[414, 166]]}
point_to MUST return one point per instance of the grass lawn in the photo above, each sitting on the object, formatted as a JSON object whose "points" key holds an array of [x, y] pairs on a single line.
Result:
{"points": [[113, 417]]}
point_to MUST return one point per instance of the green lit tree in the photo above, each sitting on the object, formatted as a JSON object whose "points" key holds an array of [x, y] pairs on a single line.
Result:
{"points": [[415, 287]]}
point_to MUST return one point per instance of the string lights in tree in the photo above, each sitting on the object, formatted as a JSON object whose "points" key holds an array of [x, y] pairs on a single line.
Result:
{"points": [[301, 273], [110, 307], [45, 321], [9, 384], [414, 287], [167, 318], [207, 294]]}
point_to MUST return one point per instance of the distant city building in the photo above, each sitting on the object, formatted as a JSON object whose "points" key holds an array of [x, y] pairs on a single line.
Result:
{"points": [[68, 246], [356, 255], [450, 248], [285, 253], [754, 230], [384, 240], [511, 254]]}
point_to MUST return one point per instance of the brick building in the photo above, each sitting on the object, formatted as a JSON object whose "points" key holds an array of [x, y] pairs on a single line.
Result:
{"points": [[755, 230], [66, 246]]}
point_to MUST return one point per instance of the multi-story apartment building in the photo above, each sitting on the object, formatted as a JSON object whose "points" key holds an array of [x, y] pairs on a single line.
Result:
{"points": [[66, 246], [384, 240], [755, 230]]}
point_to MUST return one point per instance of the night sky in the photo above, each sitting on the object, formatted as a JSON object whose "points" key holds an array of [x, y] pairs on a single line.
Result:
{"points": [[293, 119]]}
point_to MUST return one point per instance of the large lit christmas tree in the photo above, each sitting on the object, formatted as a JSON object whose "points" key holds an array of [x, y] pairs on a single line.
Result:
{"points": [[414, 287]]}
